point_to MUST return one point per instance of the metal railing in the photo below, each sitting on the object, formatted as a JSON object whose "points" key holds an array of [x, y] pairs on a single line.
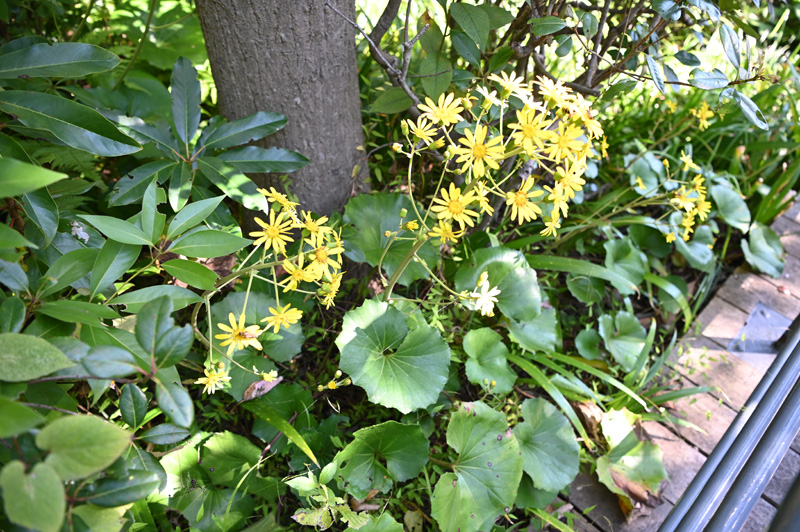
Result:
{"points": [[730, 482]]}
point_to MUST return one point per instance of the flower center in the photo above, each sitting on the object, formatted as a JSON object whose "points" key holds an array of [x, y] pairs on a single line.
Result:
{"points": [[273, 232], [520, 199], [479, 151], [528, 132], [321, 255], [455, 207]]}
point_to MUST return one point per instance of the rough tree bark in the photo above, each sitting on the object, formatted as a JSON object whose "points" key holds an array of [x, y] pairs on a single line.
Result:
{"points": [[297, 58]]}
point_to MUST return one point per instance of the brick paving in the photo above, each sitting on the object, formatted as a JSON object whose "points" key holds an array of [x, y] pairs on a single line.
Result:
{"points": [[703, 358]]}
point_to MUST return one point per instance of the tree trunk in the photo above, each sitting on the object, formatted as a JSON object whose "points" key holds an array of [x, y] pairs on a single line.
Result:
{"points": [[297, 58]]}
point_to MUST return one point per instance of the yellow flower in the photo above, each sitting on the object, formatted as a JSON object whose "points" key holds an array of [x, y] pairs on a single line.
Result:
{"points": [[280, 199], [444, 232], [275, 233], [688, 164], [481, 193], [332, 385], [688, 223], [316, 229], [421, 130], [703, 113], [670, 238], [296, 274], [446, 113], [553, 90], [702, 209], [557, 197], [582, 109], [672, 106], [285, 316], [682, 199], [640, 183], [330, 289], [566, 143], [531, 131], [269, 377], [489, 98], [511, 84], [522, 209], [237, 336], [570, 179], [697, 185], [214, 380], [453, 206], [411, 225], [551, 226], [322, 260], [476, 153]]}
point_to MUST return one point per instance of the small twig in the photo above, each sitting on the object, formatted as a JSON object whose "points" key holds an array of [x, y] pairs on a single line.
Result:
{"points": [[376, 50], [577, 87], [135, 55], [80, 378], [596, 44]]}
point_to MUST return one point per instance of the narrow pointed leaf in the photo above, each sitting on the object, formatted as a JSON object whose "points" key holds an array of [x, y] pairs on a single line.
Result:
{"points": [[58, 60], [185, 99]]}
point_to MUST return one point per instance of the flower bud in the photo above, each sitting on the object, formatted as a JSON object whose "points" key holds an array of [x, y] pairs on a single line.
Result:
{"points": [[403, 213], [396, 147], [338, 373], [387, 234], [404, 127]]}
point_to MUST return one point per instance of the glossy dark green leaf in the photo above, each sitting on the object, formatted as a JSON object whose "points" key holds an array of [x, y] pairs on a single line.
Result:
{"points": [[18, 178], [43, 211], [77, 311], [232, 183], [72, 123], [191, 215], [118, 230], [539, 334], [466, 48], [13, 276], [12, 149], [587, 290], [110, 362], [208, 243], [137, 459], [118, 491], [12, 315], [252, 159], [67, 269], [165, 434], [132, 405], [709, 7], [185, 99], [473, 20], [392, 100], [157, 333], [191, 273], [175, 402], [589, 24], [254, 127], [623, 258], [264, 411], [152, 220], [437, 74], [487, 361], [180, 186], [687, 58], [381, 454], [114, 259], [25, 357], [546, 25], [11, 238], [588, 344], [57, 60], [697, 251], [229, 458], [34, 500], [708, 80]]}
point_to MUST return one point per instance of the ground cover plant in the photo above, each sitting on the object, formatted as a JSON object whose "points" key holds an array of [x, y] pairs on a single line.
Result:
{"points": [[556, 190]]}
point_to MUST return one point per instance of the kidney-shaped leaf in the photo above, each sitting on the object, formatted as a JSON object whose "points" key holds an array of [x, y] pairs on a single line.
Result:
{"points": [[731, 207], [764, 250], [397, 366], [487, 472], [624, 337], [380, 454], [625, 259], [487, 361], [550, 452], [508, 270]]}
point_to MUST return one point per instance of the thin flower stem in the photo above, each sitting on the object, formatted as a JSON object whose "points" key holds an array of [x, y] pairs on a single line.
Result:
{"points": [[403, 265]]}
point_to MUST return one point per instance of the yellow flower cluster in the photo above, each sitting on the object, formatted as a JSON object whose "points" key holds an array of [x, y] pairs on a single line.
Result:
{"points": [[554, 127], [319, 259], [702, 113], [690, 199]]}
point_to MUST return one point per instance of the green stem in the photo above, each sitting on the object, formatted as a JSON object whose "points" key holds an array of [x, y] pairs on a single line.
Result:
{"points": [[83, 20], [442, 463], [403, 265], [135, 55]]}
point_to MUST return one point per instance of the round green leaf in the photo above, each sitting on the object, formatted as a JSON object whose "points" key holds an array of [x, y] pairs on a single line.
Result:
{"points": [[398, 367], [587, 290], [539, 334], [764, 250], [508, 270], [132, 405], [16, 418], [697, 251], [371, 216], [588, 344], [731, 207], [487, 472], [380, 454], [624, 337], [25, 357], [487, 361], [81, 445], [550, 452], [625, 259], [34, 501]]}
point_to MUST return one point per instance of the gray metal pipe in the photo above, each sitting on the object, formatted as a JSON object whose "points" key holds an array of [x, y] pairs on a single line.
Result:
{"points": [[763, 463], [703, 495]]}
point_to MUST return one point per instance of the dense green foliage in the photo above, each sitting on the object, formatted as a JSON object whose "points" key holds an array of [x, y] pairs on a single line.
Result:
{"points": [[449, 351]]}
